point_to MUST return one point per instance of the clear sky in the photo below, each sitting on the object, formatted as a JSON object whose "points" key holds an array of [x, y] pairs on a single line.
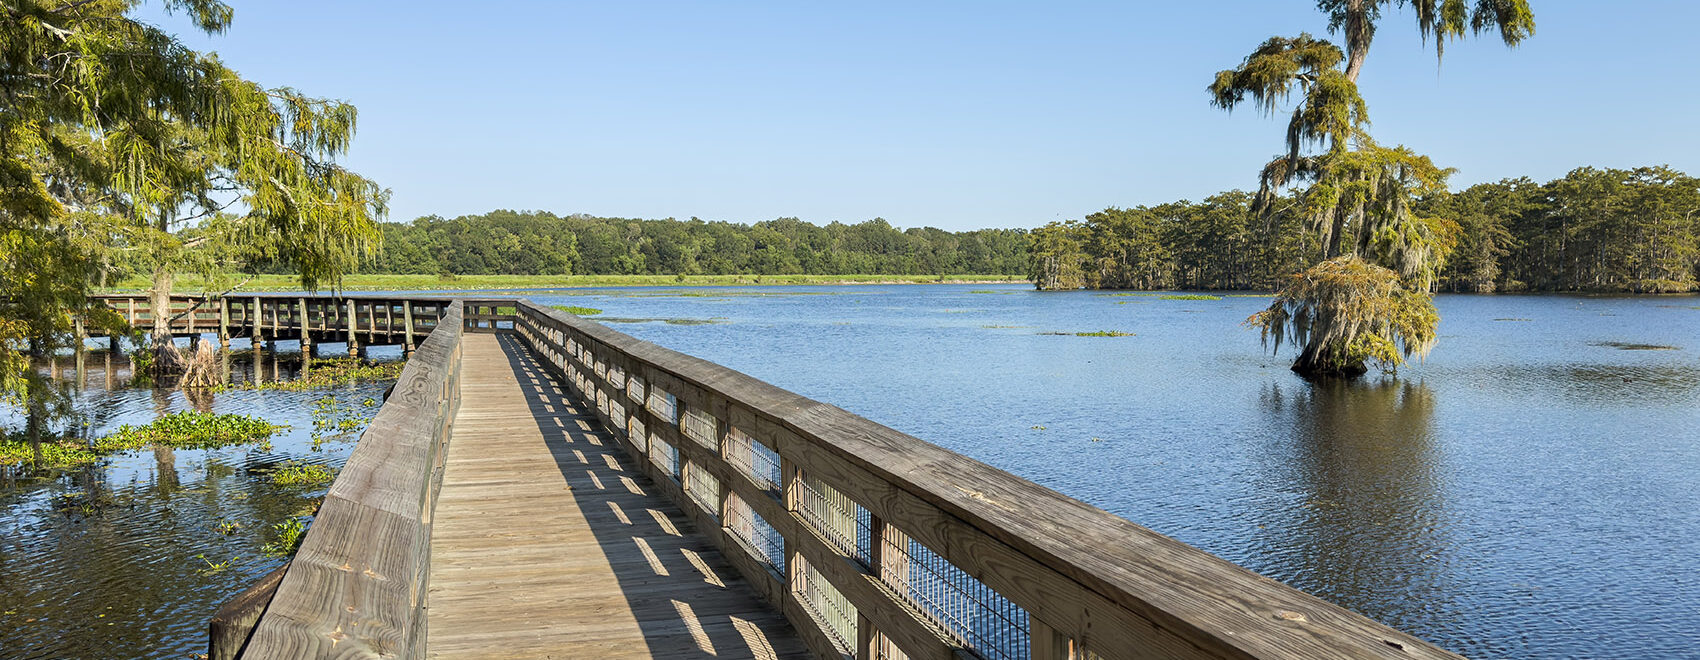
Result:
{"points": [[951, 114]]}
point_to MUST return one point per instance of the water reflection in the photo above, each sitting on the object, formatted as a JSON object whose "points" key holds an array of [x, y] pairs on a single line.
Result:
{"points": [[1365, 523], [129, 557]]}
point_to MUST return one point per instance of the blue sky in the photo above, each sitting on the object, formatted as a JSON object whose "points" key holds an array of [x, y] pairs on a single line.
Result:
{"points": [[950, 114]]}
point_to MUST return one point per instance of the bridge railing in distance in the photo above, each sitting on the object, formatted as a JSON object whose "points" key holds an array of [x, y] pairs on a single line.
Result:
{"points": [[876, 544], [356, 587]]}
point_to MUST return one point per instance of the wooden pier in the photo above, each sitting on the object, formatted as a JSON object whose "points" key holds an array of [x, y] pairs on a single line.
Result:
{"points": [[539, 485]]}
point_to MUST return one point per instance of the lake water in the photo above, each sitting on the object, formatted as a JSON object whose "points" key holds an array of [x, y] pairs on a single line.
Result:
{"points": [[1532, 489], [131, 558]]}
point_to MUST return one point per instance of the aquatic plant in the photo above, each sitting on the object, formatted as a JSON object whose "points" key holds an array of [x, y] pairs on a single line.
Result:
{"points": [[1104, 333], [189, 429], [287, 536], [578, 311], [1191, 296], [332, 372], [303, 474], [16, 452]]}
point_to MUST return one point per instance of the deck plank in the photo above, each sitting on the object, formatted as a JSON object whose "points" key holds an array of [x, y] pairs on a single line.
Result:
{"points": [[547, 544]]}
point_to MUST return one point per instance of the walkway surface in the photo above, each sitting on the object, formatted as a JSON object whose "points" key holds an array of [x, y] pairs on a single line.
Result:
{"points": [[546, 544]]}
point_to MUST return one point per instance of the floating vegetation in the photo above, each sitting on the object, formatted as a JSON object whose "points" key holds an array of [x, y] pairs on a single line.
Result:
{"points": [[1038, 428], [286, 539], [303, 474], [994, 293], [331, 372], [1626, 346], [1250, 295], [1190, 296], [1125, 293], [1004, 327], [1133, 302], [713, 321], [1104, 333], [212, 569], [190, 429], [15, 451], [333, 420], [575, 310], [228, 527], [1513, 319]]}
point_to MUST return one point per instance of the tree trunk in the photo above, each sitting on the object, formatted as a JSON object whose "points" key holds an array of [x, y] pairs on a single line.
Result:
{"points": [[167, 360]]}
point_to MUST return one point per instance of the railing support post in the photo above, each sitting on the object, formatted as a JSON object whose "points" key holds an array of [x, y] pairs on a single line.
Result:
{"points": [[353, 342], [254, 336], [407, 320], [223, 322]]}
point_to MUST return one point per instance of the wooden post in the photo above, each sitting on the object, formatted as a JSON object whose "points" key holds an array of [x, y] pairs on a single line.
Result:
{"points": [[254, 330], [306, 333], [353, 343], [407, 320], [371, 321], [223, 322]]}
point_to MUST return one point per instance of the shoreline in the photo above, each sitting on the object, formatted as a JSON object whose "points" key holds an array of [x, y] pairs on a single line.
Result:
{"points": [[187, 284]]}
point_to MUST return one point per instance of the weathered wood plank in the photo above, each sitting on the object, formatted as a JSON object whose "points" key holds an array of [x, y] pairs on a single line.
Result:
{"points": [[548, 541]]}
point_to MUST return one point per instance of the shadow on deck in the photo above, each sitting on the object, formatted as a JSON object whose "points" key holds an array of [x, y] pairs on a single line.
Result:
{"points": [[547, 543]]}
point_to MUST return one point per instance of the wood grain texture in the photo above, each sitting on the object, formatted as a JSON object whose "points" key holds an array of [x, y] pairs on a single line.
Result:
{"points": [[356, 586], [548, 541]]}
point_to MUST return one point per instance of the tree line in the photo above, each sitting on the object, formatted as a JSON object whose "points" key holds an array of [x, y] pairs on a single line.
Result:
{"points": [[540, 243], [1595, 229]]}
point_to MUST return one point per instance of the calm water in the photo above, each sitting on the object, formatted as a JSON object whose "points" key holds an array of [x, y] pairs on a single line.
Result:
{"points": [[1531, 490], [117, 561]]}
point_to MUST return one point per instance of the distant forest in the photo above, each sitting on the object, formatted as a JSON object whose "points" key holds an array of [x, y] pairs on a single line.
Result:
{"points": [[539, 243], [1593, 230], [1632, 230]]}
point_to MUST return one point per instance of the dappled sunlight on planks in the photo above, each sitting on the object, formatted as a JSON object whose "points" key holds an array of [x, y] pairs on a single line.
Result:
{"points": [[534, 553]]}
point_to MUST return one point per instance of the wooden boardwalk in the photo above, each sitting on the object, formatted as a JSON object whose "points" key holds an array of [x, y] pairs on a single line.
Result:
{"points": [[546, 544]]}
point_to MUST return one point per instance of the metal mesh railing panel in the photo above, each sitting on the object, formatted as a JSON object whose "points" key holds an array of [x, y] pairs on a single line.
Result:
{"points": [[760, 538], [700, 426], [829, 608], [975, 615], [703, 488], [844, 523], [753, 459]]}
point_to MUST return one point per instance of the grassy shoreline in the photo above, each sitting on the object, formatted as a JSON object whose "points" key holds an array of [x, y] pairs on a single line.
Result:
{"points": [[196, 284]]}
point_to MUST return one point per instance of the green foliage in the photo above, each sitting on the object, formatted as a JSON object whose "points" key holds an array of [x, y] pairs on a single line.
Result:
{"points": [[286, 538], [1381, 257], [303, 474], [1215, 244], [1104, 333], [578, 311], [16, 452], [1346, 311], [1191, 296], [1631, 230], [538, 243], [189, 430], [332, 372]]}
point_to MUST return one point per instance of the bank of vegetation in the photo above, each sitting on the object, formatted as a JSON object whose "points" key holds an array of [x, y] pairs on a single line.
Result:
{"points": [[1595, 229], [541, 243]]}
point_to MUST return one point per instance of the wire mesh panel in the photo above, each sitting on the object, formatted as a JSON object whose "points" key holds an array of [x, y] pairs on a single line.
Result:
{"points": [[753, 459], [602, 401], [634, 389], [759, 537], [843, 522], [663, 405], [635, 433], [600, 367], [616, 410], [616, 375], [703, 488], [700, 426], [664, 455], [972, 613], [830, 609]]}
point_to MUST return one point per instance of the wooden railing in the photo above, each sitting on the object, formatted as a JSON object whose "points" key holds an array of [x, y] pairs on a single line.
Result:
{"points": [[356, 320], [356, 587], [878, 545]]}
